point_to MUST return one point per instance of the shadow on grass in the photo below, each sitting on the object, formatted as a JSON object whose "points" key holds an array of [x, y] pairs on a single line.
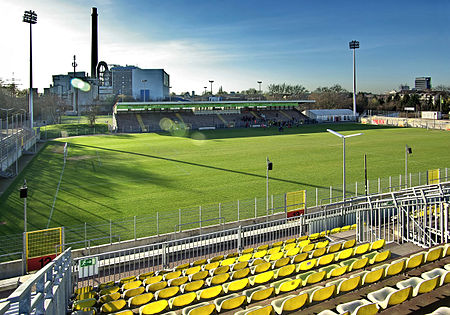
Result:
{"points": [[273, 131], [197, 164]]}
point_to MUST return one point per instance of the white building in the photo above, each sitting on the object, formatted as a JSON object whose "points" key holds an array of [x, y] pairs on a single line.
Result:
{"points": [[330, 115]]}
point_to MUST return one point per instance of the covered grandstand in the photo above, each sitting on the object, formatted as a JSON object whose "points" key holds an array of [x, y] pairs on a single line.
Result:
{"points": [[158, 116]]}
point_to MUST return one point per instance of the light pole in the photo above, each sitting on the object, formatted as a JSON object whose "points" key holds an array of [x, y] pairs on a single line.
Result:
{"points": [[23, 194], [205, 89], [144, 81], [408, 150], [211, 81], [343, 156], [31, 18], [269, 166], [354, 44], [259, 82]]}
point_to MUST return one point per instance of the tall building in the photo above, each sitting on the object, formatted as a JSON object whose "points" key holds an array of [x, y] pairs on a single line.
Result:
{"points": [[423, 83], [141, 84]]}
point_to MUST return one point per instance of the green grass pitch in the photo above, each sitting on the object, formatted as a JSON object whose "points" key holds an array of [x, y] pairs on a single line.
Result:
{"points": [[118, 176]]}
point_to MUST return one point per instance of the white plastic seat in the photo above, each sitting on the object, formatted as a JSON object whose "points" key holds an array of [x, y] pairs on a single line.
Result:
{"points": [[389, 296], [444, 275], [362, 306], [441, 311], [419, 285]]}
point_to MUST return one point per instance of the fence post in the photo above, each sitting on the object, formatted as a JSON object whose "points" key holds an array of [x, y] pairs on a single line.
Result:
{"points": [[157, 223], [135, 238], [271, 196], [85, 234], [110, 231], [400, 181], [419, 179], [200, 215], [331, 194], [410, 180], [390, 183], [239, 244], [220, 210], [317, 197], [256, 207], [379, 185], [238, 211], [163, 256], [356, 189]]}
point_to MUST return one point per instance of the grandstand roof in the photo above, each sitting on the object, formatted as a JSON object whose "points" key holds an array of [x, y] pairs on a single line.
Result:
{"points": [[141, 106]]}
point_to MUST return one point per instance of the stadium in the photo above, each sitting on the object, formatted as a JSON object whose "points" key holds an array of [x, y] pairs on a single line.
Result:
{"points": [[300, 247]]}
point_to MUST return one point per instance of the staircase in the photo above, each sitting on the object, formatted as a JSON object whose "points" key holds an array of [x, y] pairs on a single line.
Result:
{"points": [[179, 117], [222, 119], [285, 115], [141, 123], [255, 114]]}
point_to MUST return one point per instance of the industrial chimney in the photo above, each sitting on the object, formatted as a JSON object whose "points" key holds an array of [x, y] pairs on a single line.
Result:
{"points": [[94, 43]]}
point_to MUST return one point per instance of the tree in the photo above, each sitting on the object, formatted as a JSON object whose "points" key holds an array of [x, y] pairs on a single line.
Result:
{"points": [[332, 97]]}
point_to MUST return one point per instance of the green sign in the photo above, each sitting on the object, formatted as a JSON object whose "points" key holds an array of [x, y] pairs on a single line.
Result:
{"points": [[87, 262]]}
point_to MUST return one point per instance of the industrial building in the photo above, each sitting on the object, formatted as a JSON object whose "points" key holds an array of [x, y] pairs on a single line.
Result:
{"points": [[330, 115]]}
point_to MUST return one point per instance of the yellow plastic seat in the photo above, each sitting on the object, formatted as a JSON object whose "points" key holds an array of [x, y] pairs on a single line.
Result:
{"points": [[281, 262], [319, 293], [245, 257], [182, 300], [284, 271], [263, 267], [318, 252], [146, 275], [277, 244], [353, 226], [292, 252], [232, 255], [124, 312], [256, 261], [239, 265], [345, 228], [415, 260], [307, 248], [156, 286], [203, 308], [314, 236], [334, 248], [183, 266], [211, 265], [394, 267], [88, 288], [199, 275], [229, 302], [235, 286], [344, 254], [261, 278], [154, 307], [199, 262], [167, 293], [349, 244], [306, 265], [324, 233], [86, 295], [239, 274], [419, 285], [132, 292], [192, 286], [262, 247], [131, 285], [289, 241], [140, 300], [219, 270], [209, 293], [311, 277], [275, 256], [299, 258], [228, 261], [289, 246], [358, 307], [322, 244], [355, 263], [377, 244], [107, 284], [216, 258], [376, 257], [372, 276], [285, 285], [78, 305], [126, 280], [325, 260], [113, 306], [289, 303], [335, 230], [303, 243], [172, 275], [218, 279], [258, 293], [178, 281], [362, 249], [248, 251], [388, 296], [256, 310], [442, 274], [192, 270], [334, 270], [433, 254], [153, 279], [347, 284], [109, 297], [260, 254], [302, 238], [109, 290]]}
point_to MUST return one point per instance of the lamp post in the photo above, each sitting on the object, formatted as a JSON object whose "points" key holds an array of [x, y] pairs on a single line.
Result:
{"points": [[211, 81], [205, 89], [259, 82], [31, 18], [23, 194], [343, 156], [354, 44], [144, 81], [269, 167], [408, 150]]}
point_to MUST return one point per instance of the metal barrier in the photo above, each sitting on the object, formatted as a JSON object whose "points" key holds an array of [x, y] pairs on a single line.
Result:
{"points": [[178, 226], [46, 292]]}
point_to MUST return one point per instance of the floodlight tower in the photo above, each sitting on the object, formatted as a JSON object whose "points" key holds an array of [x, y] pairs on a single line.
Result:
{"points": [[30, 17], [343, 156], [354, 44], [211, 81]]}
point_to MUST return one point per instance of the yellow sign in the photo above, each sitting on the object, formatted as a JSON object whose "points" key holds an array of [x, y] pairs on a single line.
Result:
{"points": [[433, 176], [296, 200]]}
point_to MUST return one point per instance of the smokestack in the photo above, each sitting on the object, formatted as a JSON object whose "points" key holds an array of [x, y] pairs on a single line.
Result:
{"points": [[94, 43]]}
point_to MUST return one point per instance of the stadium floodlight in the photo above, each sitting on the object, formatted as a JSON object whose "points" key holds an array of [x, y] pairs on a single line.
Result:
{"points": [[408, 150], [343, 156], [30, 17], [211, 81], [354, 44], [205, 87], [24, 194], [269, 166]]}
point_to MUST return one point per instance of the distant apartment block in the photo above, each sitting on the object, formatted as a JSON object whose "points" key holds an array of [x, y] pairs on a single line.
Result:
{"points": [[423, 83]]}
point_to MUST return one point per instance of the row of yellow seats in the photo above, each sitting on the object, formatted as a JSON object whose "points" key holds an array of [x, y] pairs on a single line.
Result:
{"points": [[236, 285]]}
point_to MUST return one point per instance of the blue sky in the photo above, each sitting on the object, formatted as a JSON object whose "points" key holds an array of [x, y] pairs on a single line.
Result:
{"points": [[236, 43]]}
